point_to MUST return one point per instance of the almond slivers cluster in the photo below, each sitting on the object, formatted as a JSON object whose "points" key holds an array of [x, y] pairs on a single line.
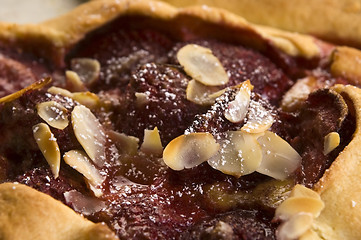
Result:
{"points": [[249, 149], [297, 213]]}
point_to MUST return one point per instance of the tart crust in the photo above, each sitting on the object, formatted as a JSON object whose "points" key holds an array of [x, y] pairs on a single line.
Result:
{"points": [[29, 214], [59, 34], [339, 187], [20, 217], [317, 17]]}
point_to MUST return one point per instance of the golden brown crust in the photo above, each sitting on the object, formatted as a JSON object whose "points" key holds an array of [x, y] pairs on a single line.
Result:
{"points": [[340, 188], [345, 62], [28, 214], [316, 17], [59, 34]]}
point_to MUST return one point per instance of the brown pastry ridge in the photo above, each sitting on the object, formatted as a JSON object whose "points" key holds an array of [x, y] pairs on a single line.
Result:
{"points": [[28, 214]]}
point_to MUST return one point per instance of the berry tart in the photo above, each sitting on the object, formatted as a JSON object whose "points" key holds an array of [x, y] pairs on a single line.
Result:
{"points": [[136, 120]]}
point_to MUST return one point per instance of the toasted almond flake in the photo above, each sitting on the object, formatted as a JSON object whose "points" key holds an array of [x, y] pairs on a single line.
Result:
{"points": [[189, 150], [201, 94], [152, 143], [125, 144], [90, 133], [60, 91], [79, 160], [202, 65], [88, 69], [295, 227], [36, 85], [279, 158], [240, 154], [53, 113], [88, 99], [298, 93], [237, 109], [294, 205], [48, 146], [141, 99], [258, 119], [73, 82], [302, 191], [331, 141]]}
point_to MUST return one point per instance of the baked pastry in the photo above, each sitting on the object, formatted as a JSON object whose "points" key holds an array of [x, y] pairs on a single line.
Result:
{"points": [[319, 18], [141, 135]]}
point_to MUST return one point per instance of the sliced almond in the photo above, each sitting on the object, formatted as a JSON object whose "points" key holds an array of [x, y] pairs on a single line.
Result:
{"points": [[60, 91], [302, 191], [48, 146], [279, 158], [201, 94], [331, 141], [36, 85], [240, 154], [90, 133], [189, 150], [125, 144], [237, 109], [202, 65], [141, 99], [298, 93], [295, 205], [79, 160], [53, 113], [259, 119], [295, 227], [152, 143], [73, 82], [88, 69], [88, 99]]}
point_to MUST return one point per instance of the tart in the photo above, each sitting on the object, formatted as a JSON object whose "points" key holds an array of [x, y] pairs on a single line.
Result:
{"points": [[168, 123]]}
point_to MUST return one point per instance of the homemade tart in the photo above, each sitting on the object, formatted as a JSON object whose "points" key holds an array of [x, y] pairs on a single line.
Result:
{"points": [[115, 111]]}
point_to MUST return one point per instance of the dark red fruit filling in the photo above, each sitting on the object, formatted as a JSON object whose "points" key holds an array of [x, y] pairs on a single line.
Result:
{"points": [[144, 199]]}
